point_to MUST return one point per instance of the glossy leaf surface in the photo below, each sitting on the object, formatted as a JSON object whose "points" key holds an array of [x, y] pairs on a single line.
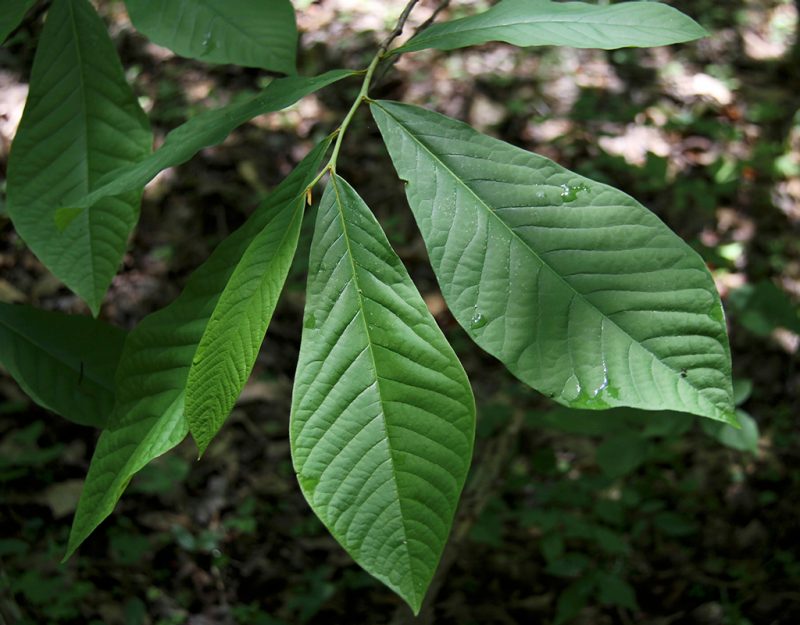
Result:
{"points": [[575, 24], [148, 418], [243, 32], [383, 417], [204, 130], [236, 329], [65, 363], [577, 288], [81, 121]]}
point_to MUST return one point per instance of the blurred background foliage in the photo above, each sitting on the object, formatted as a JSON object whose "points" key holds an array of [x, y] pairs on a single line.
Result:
{"points": [[568, 517]]}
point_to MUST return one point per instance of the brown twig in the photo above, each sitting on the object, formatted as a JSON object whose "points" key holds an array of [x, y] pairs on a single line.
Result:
{"points": [[442, 6], [389, 63], [398, 29]]}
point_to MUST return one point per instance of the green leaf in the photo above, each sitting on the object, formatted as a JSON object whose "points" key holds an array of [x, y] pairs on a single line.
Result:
{"points": [[236, 329], [383, 418], [743, 438], [622, 454], [614, 590], [81, 121], [577, 288], [207, 129], [12, 15], [65, 363], [241, 32], [148, 417], [575, 24], [763, 307], [572, 600]]}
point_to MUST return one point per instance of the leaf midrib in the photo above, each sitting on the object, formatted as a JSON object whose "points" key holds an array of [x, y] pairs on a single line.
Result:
{"points": [[431, 35], [681, 380], [360, 299], [94, 303]]}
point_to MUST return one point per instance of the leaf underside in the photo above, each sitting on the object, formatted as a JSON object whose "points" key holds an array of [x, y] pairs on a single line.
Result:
{"points": [[578, 289], [66, 363], [575, 24], [235, 331], [148, 418], [78, 106], [241, 32], [383, 417]]}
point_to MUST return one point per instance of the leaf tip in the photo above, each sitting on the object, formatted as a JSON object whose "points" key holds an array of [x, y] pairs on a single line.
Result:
{"points": [[202, 441], [73, 543], [94, 303]]}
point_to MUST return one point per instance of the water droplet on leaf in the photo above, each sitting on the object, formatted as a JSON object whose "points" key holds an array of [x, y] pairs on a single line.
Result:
{"points": [[311, 322], [477, 321], [208, 44], [569, 192]]}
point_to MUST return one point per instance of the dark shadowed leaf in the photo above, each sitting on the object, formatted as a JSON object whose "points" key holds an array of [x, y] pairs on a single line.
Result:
{"points": [[11, 15], [66, 363]]}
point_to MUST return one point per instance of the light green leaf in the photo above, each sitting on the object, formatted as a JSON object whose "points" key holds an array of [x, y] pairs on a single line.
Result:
{"points": [[81, 121], [236, 329], [11, 16], [742, 438], [207, 129], [577, 288], [148, 416], [65, 363], [383, 418], [575, 24], [259, 33]]}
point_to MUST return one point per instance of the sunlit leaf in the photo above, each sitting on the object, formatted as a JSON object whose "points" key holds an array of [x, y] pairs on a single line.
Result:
{"points": [[383, 417], [243, 32], [575, 24], [577, 288]]}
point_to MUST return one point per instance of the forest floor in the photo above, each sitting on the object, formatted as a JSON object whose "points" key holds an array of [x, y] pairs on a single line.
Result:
{"points": [[586, 518]]}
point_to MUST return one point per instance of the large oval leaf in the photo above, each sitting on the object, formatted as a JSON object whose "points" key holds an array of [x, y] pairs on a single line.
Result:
{"points": [[260, 33], [80, 122], [383, 417], [575, 24], [577, 288], [148, 416], [66, 363], [206, 129]]}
